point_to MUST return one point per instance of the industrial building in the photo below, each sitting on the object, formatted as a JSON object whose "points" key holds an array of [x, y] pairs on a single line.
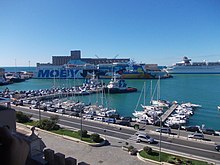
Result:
{"points": [[76, 55]]}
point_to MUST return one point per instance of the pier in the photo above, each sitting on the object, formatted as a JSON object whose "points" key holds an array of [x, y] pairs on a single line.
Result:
{"points": [[57, 95], [168, 112]]}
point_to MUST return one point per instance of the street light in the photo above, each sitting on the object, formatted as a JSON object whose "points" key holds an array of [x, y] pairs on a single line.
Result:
{"points": [[81, 124], [160, 139], [39, 112]]}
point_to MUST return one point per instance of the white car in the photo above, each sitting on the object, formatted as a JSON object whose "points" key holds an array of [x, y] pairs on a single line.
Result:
{"points": [[145, 138], [99, 119], [196, 136], [142, 121], [164, 130]]}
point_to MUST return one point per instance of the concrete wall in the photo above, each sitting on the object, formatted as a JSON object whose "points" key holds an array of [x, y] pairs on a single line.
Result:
{"points": [[8, 117]]}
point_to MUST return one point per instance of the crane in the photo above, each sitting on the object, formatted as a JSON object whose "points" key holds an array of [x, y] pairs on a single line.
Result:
{"points": [[96, 55], [116, 56]]}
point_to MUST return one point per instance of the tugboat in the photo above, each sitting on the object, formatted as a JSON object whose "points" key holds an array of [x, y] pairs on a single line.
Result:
{"points": [[118, 86]]}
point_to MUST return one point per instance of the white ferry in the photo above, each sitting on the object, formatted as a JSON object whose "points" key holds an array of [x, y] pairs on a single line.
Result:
{"points": [[188, 67]]}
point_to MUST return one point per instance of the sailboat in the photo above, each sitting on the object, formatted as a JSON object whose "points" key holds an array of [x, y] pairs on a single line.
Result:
{"points": [[160, 103], [149, 112]]}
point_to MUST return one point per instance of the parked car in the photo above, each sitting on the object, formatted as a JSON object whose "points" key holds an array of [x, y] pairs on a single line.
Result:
{"points": [[74, 114], [88, 117], [110, 120], [192, 128], [142, 121], [126, 119], [60, 110], [176, 126], [99, 119], [208, 131], [125, 123], [164, 130], [196, 136], [217, 132], [145, 138], [217, 147]]}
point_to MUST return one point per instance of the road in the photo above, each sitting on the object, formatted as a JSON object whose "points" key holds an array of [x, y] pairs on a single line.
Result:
{"points": [[190, 147]]}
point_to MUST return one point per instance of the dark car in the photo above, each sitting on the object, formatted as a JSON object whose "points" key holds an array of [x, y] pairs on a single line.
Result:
{"points": [[208, 131], [74, 114], [193, 129], [217, 148], [176, 126], [110, 120], [126, 119], [124, 123], [164, 130]]}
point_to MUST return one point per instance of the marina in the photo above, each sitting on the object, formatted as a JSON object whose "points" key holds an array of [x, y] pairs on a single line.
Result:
{"points": [[196, 90]]}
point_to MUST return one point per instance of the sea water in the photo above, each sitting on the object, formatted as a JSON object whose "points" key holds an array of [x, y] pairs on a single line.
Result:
{"points": [[199, 89]]}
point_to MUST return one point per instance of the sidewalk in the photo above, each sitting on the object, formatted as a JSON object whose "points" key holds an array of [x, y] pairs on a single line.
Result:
{"points": [[105, 155]]}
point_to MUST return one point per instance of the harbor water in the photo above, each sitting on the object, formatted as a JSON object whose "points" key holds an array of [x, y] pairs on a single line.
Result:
{"points": [[199, 89]]}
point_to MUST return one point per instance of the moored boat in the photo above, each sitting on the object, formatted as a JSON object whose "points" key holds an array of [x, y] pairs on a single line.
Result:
{"points": [[118, 86]]}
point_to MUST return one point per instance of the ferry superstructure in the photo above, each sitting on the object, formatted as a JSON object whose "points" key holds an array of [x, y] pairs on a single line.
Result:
{"points": [[188, 67], [123, 70], [76, 67]]}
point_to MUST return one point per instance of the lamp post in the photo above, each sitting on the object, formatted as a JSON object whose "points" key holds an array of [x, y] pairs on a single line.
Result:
{"points": [[81, 124], [179, 131], [39, 112], [160, 140]]}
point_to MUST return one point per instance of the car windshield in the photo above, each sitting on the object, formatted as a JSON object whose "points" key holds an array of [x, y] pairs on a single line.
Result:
{"points": [[148, 137]]}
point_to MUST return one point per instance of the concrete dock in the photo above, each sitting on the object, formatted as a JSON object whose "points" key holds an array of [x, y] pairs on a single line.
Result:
{"points": [[168, 112]]}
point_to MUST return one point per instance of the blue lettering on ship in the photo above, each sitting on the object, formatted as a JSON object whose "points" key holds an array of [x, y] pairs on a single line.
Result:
{"points": [[47, 73]]}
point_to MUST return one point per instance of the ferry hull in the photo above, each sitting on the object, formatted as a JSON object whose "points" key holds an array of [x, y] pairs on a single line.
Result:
{"points": [[62, 73], [193, 70], [116, 90]]}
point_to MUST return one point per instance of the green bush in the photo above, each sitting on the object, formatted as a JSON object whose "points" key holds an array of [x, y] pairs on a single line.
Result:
{"points": [[48, 124], [22, 118], [96, 138], [133, 151], [84, 133], [130, 148], [54, 118], [148, 150]]}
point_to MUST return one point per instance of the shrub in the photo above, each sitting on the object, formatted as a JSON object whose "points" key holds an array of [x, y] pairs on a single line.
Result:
{"points": [[54, 118], [130, 148], [148, 150], [133, 151], [96, 138], [84, 133], [22, 118], [48, 124]]}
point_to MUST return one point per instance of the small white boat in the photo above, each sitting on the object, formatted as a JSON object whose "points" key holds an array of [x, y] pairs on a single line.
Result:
{"points": [[219, 107], [191, 105], [160, 103], [138, 113]]}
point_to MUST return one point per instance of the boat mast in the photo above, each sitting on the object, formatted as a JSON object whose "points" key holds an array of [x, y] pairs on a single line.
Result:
{"points": [[151, 91], [158, 89], [144, 93]]}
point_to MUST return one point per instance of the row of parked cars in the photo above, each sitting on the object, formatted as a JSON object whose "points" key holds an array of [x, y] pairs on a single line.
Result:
{"points": [[207, 131]]}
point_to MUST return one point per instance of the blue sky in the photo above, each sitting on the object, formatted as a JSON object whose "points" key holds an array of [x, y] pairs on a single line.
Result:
{"points": [[149, 31]]}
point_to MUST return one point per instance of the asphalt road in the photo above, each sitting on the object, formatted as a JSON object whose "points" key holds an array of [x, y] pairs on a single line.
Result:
{"points": [[199, 148]]}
